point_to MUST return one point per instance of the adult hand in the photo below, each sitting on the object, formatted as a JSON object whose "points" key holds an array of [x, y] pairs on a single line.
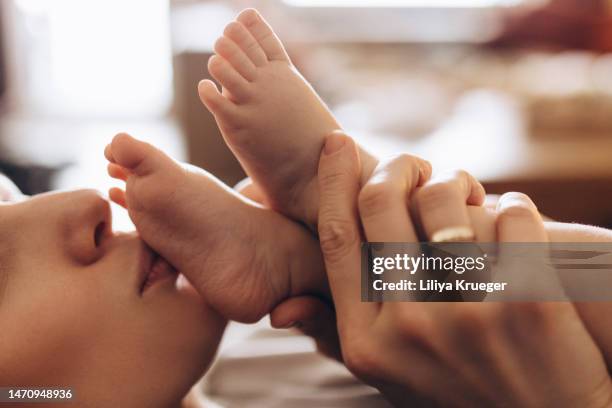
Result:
{"points": [[438, 212], [459, 354]]}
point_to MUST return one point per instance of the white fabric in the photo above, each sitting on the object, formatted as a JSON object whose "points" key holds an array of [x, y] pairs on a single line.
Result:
{"points": [[278, 368]]}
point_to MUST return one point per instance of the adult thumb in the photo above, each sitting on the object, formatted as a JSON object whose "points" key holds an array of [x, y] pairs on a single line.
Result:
{"points": [[339, 230], [339, 174]]}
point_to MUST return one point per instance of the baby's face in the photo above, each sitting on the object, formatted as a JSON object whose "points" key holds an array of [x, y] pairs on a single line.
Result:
{"points": [[73, 313]]}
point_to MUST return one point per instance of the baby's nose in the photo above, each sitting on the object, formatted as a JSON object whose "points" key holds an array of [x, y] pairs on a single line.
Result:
{"points": [[88, 224]]}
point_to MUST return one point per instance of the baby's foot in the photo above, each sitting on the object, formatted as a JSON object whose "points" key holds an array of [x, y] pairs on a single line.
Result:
{"points": [[228, 248], [272, 119]]}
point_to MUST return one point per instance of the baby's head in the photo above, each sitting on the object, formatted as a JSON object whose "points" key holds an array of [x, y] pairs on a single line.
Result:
{"points": [[72, 312]]}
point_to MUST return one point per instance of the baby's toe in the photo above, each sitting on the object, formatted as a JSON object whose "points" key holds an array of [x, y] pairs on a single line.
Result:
{"points": [[264, 34], [138, 157], [117, 196], [108, 153], [238, 33], [117, 172], [229, 78], [222, 108], [229, 50]]}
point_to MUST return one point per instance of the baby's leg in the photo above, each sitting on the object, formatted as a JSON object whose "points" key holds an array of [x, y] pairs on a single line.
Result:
{"points": [[271, 118], [242, 258], [263, 96]]}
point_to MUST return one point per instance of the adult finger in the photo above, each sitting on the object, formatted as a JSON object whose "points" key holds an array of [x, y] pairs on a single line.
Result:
{"points": [[339, 230], [523, 253], [441, 206], [383, 201], [518, 219]]}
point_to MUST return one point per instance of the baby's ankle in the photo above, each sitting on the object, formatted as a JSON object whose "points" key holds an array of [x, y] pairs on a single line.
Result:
{"points": [[303, 263], [306, 206]]}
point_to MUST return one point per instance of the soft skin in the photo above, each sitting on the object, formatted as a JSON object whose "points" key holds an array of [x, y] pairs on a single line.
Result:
{"points": [[450, 354], [242, 258], [72, 313], [269, 115], [276, 124], [442, 202]]}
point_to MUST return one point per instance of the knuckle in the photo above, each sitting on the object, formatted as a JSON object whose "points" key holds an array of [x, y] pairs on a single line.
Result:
{"points": [[376, 198], [515, 195], [459, 174], [333, 180], [407, 161], [538, 314], [435, 194], [475, 319], [413, 166], [425, 170], [413, 327], [410, 165], [337, 237], [361, 358], [518, 200], [511, 213], [541, 319], [454, 176]]}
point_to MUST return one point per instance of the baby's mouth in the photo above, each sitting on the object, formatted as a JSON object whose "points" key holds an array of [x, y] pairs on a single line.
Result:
{"points": [[155, 270]]}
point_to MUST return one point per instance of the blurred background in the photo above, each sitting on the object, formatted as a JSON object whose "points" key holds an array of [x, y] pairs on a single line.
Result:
{"points": [[517, 92]]}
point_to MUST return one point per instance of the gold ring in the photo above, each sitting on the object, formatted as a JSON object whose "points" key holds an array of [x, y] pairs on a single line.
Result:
{"points": [[453, 234]]}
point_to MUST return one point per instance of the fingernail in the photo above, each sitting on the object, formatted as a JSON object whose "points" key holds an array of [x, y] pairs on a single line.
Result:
{"points": [[334, 143]]}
